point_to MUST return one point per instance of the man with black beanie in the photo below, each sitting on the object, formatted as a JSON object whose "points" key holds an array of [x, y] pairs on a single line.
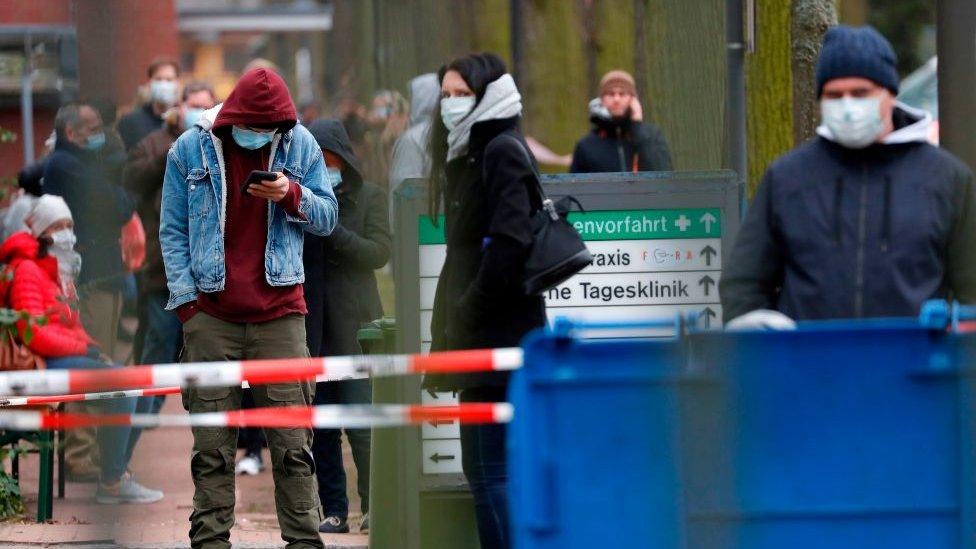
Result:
{"points": [[868, 219]]}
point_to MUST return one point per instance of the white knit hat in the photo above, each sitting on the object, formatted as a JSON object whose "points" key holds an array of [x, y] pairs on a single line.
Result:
{"points": [[49, 210]]}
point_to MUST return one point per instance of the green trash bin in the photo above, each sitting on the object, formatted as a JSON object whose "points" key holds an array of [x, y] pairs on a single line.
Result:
{"points": [[409, 509]]}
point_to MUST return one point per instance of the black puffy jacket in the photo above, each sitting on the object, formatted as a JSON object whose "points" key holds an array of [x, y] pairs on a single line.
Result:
{"points": [[479, 302], [841, 233]]}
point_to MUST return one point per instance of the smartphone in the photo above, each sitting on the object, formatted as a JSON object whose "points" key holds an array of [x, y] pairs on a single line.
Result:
{"points": [[257, 176]]}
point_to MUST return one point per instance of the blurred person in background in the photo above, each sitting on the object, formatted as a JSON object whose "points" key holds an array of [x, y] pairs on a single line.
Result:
{"points": [[483, 174], [621, 140], [411, 159], [342, 295], [41, 266], [79, 171], [143, 177], [163, 86], [387, 119]]}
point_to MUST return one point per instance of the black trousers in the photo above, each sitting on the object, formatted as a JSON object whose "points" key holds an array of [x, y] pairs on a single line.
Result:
{"points": [[327, 448]]}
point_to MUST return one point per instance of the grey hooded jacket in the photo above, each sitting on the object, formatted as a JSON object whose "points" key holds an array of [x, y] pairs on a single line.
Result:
{"points": [[410, 156]]}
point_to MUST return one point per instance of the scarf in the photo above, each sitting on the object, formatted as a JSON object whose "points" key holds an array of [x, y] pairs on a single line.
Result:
{"points": [[501, 100]]}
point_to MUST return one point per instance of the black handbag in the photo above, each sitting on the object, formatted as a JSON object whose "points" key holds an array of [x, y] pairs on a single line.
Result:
{"points": [[558, 252]]}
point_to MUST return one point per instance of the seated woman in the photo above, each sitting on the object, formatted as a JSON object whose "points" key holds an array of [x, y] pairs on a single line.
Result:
{"points": [[40, 268]]}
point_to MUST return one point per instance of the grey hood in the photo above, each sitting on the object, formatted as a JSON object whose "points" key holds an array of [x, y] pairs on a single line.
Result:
{"points": [[424, 94]]}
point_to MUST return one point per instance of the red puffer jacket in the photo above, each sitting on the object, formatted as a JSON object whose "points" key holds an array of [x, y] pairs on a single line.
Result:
{"points": [[35, 288]]}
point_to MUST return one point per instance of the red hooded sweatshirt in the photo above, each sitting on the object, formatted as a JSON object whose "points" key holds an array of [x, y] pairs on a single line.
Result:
{"points": [[260, 99]]}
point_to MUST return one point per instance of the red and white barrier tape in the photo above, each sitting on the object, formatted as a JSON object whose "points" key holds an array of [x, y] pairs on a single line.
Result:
{"points": [[321, 417], [227, 374], [56, 399]]}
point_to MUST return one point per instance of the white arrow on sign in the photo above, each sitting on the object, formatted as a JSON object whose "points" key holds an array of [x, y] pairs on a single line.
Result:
{"points": [[708, 219]]}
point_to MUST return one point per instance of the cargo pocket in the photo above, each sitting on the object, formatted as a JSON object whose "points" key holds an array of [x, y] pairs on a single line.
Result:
{"points": [[298, 486], [209, 399], [213, 477], [286, 394]]}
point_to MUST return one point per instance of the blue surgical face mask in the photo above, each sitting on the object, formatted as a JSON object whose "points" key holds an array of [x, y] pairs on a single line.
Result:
{"points": [[250, 139], [95, 141], [454, 109], [335, 176], [191, 116]]}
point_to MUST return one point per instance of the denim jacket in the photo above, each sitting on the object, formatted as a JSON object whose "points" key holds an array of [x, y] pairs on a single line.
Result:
{"points": [[191, 232]]}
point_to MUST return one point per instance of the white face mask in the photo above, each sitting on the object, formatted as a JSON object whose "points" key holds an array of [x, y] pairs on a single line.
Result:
{"points": [[64, 239], [163, 91], [62, 248], [855, 122], [454, 109]]}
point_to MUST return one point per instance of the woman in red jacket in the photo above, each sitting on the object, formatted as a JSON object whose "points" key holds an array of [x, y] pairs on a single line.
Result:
{"points": [[40, 268]]}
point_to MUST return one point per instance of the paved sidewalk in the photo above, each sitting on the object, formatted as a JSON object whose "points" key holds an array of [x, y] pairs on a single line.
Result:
{"points": [[161, 461]]}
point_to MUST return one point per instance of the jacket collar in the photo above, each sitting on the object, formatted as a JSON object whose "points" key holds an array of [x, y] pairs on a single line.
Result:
{"points": [[483, 132], [69, 147]]}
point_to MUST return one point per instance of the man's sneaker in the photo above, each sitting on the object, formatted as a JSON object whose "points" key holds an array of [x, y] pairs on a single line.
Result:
{"points": [[364, 524], [251, 464], [334, 525], [127, 490]]}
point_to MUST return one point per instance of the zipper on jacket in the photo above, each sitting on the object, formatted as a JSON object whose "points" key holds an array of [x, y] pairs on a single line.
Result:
{"points": [[861, 237], [620, 150]]}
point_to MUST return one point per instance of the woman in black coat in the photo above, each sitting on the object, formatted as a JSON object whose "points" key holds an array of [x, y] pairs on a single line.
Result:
{"points": [[483, 173]]}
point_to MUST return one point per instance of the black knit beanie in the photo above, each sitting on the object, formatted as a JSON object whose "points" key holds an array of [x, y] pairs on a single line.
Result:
{"points": [[857, 51]]}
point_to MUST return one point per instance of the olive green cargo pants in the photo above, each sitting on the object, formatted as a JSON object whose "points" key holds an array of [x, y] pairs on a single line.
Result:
{"points": [[214, 448]]}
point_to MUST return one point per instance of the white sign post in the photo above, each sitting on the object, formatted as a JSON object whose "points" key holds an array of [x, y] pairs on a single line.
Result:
{"points": [[647, 264]]}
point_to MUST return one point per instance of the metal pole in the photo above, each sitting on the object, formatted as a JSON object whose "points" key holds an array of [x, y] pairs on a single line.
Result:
{"points": [[735, 112], [956, 42], [27, 102], [517, 28]]}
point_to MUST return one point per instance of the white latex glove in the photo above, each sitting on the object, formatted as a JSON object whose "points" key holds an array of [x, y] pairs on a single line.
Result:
{"points": [[761, 319]]}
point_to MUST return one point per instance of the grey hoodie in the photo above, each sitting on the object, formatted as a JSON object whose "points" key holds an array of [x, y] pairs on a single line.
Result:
{"points": [[410, 156]]}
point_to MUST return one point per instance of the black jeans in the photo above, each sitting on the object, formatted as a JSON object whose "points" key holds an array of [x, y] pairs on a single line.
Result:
{"points": [[327, 448], [485, 466]]}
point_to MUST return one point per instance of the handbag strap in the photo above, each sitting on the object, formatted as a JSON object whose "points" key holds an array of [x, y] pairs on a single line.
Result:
{"points": [[537, 177]]}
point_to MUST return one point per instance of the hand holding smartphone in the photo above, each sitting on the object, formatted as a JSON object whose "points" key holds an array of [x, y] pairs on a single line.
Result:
{"points": [[256, 177]]}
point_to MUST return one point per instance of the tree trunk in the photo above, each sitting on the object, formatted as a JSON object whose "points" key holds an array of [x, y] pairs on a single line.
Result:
{"points": [[811, 19], [769, 90], [686, 79], [554, 84], [780, 79]]}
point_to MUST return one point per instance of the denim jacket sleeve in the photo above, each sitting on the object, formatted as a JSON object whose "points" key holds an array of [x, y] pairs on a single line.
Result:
{"points": [[174, 232], [318, 204]]}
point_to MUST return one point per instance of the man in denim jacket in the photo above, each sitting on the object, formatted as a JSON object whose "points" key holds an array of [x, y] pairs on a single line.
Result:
{"points": [[233, 260]]}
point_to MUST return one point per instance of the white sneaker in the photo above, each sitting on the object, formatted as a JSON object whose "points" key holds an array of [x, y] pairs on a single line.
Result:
{"points": [[249, 465], [127, 491]]}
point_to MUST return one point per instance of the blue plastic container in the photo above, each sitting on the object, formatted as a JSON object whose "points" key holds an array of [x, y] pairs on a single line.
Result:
{"points": [[593, 456], [836, 435]]}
